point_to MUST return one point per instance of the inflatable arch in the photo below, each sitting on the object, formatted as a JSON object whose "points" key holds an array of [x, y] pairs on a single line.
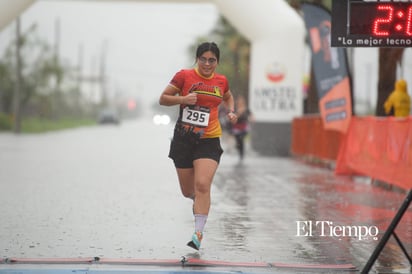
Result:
{"points": [[276, 33]]}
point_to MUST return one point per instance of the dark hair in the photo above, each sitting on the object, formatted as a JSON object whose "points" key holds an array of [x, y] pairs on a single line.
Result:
{"points": [[208, 46]]}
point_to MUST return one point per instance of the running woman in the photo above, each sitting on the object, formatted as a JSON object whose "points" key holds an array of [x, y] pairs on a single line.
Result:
{"points": [[195, 148]]}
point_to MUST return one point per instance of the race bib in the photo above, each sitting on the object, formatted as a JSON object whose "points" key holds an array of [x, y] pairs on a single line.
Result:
{"points": [[197, 116]]}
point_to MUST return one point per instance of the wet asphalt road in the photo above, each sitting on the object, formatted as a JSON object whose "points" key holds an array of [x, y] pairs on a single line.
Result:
{"points": [[111, 192]]}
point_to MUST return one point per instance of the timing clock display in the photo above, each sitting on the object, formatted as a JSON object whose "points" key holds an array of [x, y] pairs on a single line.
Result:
{"points": [[381, 19], [371, 23]]}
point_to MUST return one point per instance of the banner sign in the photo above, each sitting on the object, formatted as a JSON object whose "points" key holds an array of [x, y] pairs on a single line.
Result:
{"points": [[276, 83], [330, 69]]}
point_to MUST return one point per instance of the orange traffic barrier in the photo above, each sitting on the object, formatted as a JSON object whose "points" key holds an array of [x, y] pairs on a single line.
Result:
{"points": [[380, 148], [309, 138], [377, 147]]}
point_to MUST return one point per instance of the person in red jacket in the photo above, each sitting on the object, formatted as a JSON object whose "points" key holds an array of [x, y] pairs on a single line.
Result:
{"points": [[195, 148]]}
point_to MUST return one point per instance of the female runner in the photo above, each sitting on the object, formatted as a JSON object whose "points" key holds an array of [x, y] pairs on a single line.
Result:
{"points": [[195, 147]]}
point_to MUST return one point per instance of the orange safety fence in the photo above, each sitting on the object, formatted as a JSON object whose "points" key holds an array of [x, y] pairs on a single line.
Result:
{"points": [[380, 148], [377, 147], [309, 138]]}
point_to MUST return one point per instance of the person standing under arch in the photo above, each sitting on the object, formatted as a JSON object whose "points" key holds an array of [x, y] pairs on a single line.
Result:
{"points": [[242, 127]]}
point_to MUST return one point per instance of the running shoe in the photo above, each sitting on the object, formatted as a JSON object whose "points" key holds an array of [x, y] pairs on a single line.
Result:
{"points": [[196, 239]]}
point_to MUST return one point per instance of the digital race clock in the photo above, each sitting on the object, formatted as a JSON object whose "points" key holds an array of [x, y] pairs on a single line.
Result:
{"points": [[372, 23]]}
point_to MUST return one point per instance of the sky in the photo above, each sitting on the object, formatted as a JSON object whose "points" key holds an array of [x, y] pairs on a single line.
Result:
{"points": [[146, 43]]}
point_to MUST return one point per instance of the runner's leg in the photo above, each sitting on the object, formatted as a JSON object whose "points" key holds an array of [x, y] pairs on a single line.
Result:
{"points": [[186, 180], [204, 171]]}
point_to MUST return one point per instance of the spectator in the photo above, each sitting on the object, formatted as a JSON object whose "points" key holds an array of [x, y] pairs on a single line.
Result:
{"points": [[399, 100], [242, 127]]}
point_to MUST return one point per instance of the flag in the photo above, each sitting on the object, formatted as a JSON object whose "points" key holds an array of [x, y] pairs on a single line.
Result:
{"points": [[330, 68]]}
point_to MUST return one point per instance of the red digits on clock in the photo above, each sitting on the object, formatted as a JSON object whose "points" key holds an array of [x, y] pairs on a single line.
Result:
{"points": [[382, 25], [378, 24], [409, 24]]}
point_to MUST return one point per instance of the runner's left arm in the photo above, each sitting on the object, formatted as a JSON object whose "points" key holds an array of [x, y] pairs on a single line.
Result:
{"points": [[230, 106]]}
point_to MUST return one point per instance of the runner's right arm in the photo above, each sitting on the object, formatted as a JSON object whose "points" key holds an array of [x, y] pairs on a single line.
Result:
{"points": [[171, 96]]}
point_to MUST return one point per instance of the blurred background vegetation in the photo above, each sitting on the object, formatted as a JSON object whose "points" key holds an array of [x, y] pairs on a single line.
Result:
{"points": [[49, 96]]}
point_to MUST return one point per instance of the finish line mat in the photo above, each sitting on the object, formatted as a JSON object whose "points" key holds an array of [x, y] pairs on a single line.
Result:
{"points": [[183, 261]]}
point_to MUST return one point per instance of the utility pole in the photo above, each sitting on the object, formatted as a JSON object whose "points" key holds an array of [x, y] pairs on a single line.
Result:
{"points": [[102, 72], [18, 84], [56, 60], [79, 67], [96, 77]]}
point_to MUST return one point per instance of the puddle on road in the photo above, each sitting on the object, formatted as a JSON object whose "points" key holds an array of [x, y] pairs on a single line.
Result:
{"points": [[282, 210]]}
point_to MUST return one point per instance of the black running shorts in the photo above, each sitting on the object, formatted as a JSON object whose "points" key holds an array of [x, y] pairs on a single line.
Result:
{"points": [[184, 152]]}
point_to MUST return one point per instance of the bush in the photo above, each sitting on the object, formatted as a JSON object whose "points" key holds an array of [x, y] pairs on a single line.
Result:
{"points": [[5, 122]]}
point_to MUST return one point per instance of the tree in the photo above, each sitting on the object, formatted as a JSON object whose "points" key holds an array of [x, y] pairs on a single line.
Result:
{"points": [[388, 61], [40, 74], [37, 68]]}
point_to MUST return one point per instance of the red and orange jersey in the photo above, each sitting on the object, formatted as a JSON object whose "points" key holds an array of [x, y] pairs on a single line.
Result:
{"points": [[202, 118]]}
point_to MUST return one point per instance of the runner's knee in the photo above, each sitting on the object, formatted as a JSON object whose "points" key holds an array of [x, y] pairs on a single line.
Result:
{"points": [[202, 186]]}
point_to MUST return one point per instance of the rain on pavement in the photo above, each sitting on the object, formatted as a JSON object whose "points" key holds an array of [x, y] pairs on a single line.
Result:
{"points": [[111, 192]]}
